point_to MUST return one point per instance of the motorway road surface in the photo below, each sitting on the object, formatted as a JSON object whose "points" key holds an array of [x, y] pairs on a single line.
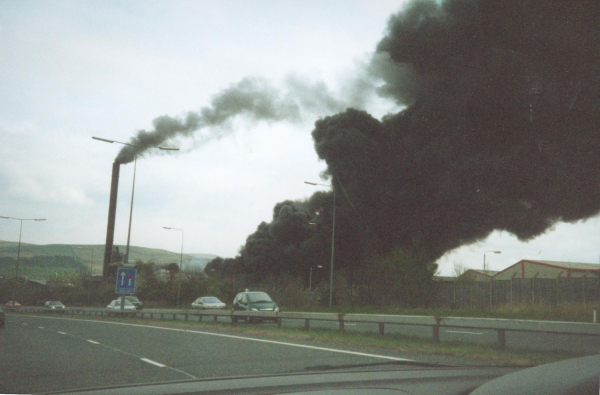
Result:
{"points": [[40, 354]]}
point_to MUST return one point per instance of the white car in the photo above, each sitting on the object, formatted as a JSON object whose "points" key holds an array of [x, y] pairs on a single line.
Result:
{"points": [[208, 302], [116, 305]]}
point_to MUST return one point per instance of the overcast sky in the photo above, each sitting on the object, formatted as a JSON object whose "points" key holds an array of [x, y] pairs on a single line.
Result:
{"points": [[70, 70]]}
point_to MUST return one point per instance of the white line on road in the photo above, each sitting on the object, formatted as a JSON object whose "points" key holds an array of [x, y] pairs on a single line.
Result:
{"points": [[242, 338], [93, 342], [467, 333], [160, 365], [41, 327], [24, 323], [62, 333]]}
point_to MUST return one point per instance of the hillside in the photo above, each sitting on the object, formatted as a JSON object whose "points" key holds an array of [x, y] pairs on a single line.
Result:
{"points": [[86, 255]]}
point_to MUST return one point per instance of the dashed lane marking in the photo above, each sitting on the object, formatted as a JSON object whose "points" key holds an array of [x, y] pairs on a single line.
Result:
{"points": [[160, 365]]}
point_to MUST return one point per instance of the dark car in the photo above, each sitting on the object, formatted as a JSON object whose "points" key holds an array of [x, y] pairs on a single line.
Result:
{"points": [[254, 301], [134, 301], [2, 318], [54, 305]]}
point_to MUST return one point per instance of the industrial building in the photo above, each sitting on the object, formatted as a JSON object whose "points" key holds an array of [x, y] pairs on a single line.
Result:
{"points": [[477, 275], [527, 268]]}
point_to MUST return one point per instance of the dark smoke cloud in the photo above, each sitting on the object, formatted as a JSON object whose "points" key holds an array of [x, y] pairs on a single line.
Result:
{"points": [[500, 131], [253, 97]]}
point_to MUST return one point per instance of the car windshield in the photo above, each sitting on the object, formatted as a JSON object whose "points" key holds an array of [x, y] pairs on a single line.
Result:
{"points": [[354, 183], [259, 297]]}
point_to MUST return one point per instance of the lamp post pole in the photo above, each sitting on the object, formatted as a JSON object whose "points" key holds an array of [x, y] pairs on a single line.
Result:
{"points": [[19, 249], [485, 252], [332, 243], [180, 262], [126, 257]]}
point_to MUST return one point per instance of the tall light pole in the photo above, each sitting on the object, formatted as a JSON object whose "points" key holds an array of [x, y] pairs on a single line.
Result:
{"points": [[310, 277], [91, 271], [332, 242], [485, 252], [180, 262], [19, 248], [126, 258]]}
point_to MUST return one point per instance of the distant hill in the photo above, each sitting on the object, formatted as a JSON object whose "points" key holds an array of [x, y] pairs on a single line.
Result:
{"points": [[94, 254]]}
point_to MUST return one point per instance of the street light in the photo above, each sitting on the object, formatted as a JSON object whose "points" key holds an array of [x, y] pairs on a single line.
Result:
{"points": [[485, 252], [126, 258], [180, 262], [332, 242], [91, 271], [310, 277], [19, 248]]}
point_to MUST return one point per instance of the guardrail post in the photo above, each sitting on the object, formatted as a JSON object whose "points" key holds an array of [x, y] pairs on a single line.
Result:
{"points": [[216, 318], [199, 317], [278, 322], [185, 316], [341, 321], [436, 330], [174, 314], [306, 324], [595, 315], [381, 329], [501, 338]]}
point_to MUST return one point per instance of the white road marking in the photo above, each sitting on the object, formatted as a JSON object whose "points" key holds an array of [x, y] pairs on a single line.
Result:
{"points": [[241, 338], [41, 327], [160, 365], [24, 323], [121, 351], [468, 333]]}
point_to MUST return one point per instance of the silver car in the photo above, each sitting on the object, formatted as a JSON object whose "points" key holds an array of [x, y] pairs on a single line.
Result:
{"points": [[116, 305], [208, 302]]}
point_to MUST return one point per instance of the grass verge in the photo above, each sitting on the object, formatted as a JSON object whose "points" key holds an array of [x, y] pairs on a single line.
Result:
{"points": [[414, 348]]}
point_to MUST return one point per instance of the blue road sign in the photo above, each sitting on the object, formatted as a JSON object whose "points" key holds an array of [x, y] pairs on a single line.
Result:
{"points": [[125, 281]]}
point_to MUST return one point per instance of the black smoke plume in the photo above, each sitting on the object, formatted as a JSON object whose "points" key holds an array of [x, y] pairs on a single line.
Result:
{"points": [[253, 97], [500, 130]]}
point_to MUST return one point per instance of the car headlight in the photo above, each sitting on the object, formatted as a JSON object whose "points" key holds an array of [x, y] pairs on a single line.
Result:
{"points": [[276, 309], [253, 309]]}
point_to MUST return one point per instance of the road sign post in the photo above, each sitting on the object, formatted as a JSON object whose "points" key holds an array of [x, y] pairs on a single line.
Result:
{"points": [[125, 283]]}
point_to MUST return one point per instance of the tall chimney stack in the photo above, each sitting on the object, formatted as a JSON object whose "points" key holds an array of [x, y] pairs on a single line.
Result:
{"points": [[112, 212]]}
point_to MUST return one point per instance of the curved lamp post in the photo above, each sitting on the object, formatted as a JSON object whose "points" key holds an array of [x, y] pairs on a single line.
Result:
{"points": [[332, 242], [126, 258], [19, 247], [484, 263]]}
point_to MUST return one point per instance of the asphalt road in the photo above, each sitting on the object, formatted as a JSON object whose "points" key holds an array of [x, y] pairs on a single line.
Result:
{"points": [[40, 354]]}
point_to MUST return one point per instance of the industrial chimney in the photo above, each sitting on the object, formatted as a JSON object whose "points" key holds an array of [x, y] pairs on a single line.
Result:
{"points": [[112, 212]]}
